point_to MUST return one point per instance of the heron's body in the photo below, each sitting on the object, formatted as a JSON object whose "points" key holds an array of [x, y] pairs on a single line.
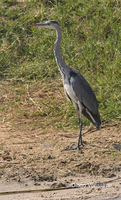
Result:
{"points": [[75, 85]]}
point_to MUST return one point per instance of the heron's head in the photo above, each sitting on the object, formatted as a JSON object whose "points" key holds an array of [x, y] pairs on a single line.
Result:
{"points": [[52, 24]]}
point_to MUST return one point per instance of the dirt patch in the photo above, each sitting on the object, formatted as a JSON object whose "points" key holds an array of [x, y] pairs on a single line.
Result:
{"points": [[44, 158]]}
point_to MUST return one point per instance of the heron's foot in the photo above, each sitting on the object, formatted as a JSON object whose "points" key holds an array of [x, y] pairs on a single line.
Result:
{"points": [[78, 147]]}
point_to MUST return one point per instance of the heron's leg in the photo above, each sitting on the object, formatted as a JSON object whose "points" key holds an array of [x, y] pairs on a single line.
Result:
{"points": [[80, 135], [78, 109], [80, 127]]}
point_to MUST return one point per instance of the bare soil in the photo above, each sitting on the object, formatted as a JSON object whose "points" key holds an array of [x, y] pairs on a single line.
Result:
{"points": [[36, 159]]}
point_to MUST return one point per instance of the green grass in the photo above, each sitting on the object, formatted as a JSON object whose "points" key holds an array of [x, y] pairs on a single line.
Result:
{"points": [[91, 43]]}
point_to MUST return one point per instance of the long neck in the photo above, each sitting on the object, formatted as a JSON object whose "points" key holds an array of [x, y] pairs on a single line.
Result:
{"points": [[61, 64]]}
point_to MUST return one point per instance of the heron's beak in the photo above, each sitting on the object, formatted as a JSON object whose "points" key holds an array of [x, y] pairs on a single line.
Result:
{"points": [[38, 24], [44, 25]]}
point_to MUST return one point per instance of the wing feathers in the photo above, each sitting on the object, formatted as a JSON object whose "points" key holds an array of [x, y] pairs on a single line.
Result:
{"points": [[86, 97]]}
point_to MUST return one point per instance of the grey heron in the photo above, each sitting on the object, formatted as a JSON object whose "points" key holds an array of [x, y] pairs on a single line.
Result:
{"points": [[76, 87]]}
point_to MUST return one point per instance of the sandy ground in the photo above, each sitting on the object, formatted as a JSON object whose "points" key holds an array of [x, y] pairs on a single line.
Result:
{"points": [[34, 159]]}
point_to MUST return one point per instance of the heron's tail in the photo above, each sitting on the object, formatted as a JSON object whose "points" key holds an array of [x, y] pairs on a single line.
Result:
{"points": [[95, 119]]}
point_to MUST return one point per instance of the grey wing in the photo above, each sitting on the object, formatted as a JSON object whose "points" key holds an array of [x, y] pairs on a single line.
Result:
{"points": [[86, 97]]}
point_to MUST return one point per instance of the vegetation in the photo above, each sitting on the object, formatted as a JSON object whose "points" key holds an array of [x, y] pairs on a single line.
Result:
{"points": [[91, 43]]}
